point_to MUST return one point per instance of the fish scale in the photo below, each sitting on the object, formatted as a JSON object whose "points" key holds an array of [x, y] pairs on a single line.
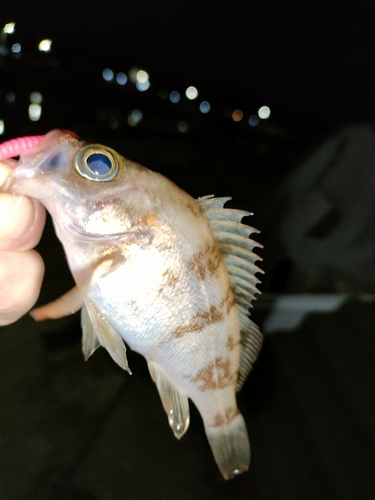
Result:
{"points": [[171, 276]]}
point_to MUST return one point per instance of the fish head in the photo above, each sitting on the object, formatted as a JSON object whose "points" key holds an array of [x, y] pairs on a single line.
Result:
{"points": [[84, 186]]}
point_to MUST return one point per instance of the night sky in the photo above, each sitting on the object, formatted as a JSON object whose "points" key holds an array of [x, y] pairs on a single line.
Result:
{"points": [[314, 58]]}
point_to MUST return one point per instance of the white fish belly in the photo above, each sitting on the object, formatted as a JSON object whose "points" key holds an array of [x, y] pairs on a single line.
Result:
{"points": [[186, 325]]}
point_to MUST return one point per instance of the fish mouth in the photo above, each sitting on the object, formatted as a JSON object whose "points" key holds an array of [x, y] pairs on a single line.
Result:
{"points": [[74, 232]]}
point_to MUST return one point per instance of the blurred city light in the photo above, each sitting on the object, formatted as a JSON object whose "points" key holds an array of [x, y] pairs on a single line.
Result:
{"points": [[108, 74], [9, 28], [121, 78], [45, 45], [10, 97], [142, 86], [16, 48], [113, 123], [191, 93], [204, 107], [142, 76], [237, 115], [174, 96], [253, 120], [135, 117], [264, 112], [182, 127], [35, 111], [36, 97]]}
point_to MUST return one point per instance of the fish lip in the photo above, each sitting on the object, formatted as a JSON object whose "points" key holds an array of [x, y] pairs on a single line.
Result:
{"points": [[141, 236], [77, 233]]}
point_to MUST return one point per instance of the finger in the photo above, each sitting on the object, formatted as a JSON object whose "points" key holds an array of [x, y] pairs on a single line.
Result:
{"points": [[21, 275], [6, 167], [22, 221]]}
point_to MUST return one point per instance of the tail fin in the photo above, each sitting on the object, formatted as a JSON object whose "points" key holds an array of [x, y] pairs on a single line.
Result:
{"points": [[230, 446]]}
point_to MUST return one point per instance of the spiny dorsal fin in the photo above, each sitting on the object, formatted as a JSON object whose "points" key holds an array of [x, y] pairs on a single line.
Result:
{"points": [[237, 248]]}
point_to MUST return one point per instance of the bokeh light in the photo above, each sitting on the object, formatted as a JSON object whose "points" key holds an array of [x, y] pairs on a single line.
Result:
{"points": [[264, 112], [135, 117], [253, 120], [36, 97], [35, 111], [10, 97], [16, 48], [142, 86], [45, 45], [182, 127], [2, 127], [121, 78], [142, 76], [191, 93], [204, 107], [174, 96], [237, 115], [9, 28], [108, 74], [113, 123]]}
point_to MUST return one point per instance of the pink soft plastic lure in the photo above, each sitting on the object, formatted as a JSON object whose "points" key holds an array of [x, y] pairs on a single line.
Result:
{"points": [[16, 147]]}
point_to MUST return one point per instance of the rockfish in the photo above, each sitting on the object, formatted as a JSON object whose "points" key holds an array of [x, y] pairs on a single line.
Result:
{"points": [[171, 276]]}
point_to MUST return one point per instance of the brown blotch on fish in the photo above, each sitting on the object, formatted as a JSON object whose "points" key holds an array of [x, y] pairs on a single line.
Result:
{"points": [[194, 209], [228, 301], [199, 321], [231, 343], [215, 375], [206, 261], [225, 418], [170, 277]]}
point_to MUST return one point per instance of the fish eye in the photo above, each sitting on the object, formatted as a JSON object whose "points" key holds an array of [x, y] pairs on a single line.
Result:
{"points": [[98, 163]]}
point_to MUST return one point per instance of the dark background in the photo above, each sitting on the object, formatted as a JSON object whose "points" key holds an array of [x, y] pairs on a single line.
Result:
{"points": [[73, 430], [313, 58]]}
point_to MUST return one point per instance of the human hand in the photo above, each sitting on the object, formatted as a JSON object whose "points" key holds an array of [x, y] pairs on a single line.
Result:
{"points": [[21, 268]]}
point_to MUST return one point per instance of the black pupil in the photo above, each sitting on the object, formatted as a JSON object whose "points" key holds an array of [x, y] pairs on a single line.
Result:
{"points": [[99, 163]]}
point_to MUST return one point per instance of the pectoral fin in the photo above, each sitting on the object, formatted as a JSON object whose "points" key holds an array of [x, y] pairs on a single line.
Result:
{"points": [[73, 300], [67, 304], [96, 329], [175, 402]]}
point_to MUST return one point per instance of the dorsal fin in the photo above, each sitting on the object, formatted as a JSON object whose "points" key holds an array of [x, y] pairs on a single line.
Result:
{"points": [[237, 248]]}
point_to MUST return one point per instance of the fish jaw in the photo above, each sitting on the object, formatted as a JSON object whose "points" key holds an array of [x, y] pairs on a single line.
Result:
{"points": [[38, 172]]}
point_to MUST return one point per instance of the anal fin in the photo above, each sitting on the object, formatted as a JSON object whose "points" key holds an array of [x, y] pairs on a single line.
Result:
{"points": [[175, 402]]}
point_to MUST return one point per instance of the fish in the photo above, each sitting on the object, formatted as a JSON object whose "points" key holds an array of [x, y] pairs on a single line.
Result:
{"points": [[170, 276]]}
